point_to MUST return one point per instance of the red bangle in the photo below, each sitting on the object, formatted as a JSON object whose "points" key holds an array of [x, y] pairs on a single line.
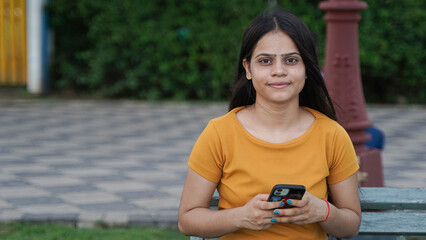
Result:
{"points": [[328, 210]]}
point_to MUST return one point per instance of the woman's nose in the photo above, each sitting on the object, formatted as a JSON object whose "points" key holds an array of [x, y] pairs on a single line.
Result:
{"points": [[278, 69]]}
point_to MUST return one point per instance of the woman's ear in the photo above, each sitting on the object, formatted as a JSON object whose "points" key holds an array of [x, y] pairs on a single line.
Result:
{"points": [[246, 66]]}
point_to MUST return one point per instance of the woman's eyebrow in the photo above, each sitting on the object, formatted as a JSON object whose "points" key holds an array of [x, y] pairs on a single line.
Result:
{"points": [[290, 53], [274, 55]]}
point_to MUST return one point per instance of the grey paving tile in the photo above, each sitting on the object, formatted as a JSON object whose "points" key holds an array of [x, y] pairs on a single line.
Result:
{"points": [[34, 200], [22, 191], [58, 208], [91, 171], [116, 163], [7, 157], [39, 155], [100, 179], [150, 175], [158, 203], [142, 194], [105, 207], [4, 151], [21, 160], [68, 189], [93, 158], [55, 181], [27, 168], [13, 183], [57, 159], [95, 197], [71, 165], [11, 215], [5, 205], [123, 186], [38, 174]]}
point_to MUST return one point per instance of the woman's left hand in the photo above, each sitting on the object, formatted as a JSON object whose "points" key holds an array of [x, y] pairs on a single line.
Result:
{"points": [[309, 209]]}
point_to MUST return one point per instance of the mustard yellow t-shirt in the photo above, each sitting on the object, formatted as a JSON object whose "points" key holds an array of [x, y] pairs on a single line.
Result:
{"points": [[244, 166]]}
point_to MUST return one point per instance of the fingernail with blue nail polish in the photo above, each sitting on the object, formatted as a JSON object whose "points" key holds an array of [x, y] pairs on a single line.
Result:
{"points": [[276, 212], [281, 204], [288, 201], [273, 220]]}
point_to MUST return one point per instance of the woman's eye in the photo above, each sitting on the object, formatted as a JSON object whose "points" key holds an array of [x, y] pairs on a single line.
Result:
{"points": [[292, 60], [265, 61]]}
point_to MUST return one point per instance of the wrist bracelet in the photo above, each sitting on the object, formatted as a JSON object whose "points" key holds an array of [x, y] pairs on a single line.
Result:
{"points": [[328, 210]]}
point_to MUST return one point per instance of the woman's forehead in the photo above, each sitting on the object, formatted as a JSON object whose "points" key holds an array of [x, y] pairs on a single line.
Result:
{"points": [[275, 42]]}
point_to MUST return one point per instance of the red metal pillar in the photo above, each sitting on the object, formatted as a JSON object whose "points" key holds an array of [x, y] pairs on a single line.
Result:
{"points": [[343, 78]]}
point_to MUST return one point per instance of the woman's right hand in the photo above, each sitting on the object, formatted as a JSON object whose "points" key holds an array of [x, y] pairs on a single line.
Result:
{"points": [[196, 219], [258, 212]]}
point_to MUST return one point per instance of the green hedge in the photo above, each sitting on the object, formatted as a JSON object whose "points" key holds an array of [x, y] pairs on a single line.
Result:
{"points": [[392, 50], [174, 49]]}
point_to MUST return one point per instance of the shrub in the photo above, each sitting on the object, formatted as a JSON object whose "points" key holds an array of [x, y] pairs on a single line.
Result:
{"points": [[172, 49], [392, 50]]}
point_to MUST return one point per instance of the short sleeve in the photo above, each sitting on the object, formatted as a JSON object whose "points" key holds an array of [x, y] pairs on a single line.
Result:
{"points": [[206, 157], [343, 162]]}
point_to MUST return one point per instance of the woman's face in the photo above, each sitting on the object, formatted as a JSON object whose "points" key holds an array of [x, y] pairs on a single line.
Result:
{"points": [[276, 69]]}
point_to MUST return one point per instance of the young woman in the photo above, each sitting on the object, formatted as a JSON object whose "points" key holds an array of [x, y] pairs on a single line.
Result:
{"points": [[280, 129]]}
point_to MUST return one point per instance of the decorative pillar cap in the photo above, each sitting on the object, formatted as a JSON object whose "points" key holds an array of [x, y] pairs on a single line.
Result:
{"points": [[342, 5]]}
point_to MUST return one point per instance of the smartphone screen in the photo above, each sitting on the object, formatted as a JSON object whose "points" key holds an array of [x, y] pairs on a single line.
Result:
{"points": [[282, 192]]}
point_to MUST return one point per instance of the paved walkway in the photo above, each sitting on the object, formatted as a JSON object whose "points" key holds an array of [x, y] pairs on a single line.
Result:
{"points": [[124, 162]]}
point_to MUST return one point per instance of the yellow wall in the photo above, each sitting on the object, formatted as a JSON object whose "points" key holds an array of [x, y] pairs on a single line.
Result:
{"points": [[13, 64]]}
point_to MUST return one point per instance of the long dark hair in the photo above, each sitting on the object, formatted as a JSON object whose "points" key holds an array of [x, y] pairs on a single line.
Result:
{"points": [[314, 94]]}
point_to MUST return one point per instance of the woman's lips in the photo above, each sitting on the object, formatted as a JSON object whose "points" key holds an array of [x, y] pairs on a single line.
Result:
{"points": [[279, 85]]}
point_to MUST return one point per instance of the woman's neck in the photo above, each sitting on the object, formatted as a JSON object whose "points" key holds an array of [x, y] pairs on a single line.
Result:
{"points": [[276, 116], [275, 124]]}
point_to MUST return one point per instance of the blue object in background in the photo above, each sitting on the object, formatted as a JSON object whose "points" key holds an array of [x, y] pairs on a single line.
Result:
{"points": [[377, 138]]}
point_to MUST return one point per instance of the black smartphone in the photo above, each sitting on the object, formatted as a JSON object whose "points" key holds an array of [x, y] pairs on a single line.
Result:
{"points": [[282, 192]]}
